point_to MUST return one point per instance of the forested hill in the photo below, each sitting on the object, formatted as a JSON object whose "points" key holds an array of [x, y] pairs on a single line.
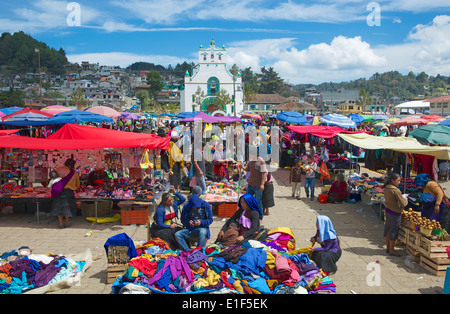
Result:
{"points": [[388, 84], [18, 55]]}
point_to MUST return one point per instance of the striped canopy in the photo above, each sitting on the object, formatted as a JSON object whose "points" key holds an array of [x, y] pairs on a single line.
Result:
{"points": [[55, 109], [334, 119]]}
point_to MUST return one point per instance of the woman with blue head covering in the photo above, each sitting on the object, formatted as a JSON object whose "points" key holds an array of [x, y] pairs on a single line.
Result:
{"points": [[329, 253], [244, 224]]}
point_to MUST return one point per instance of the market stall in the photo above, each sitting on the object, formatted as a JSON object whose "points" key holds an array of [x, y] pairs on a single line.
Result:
{"points": [[335, 159], [371, 188], [273, 265], [223, 197], [119, 155]]}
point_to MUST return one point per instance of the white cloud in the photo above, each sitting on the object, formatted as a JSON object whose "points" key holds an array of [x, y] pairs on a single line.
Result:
{"points": [[158, 11], [43, 15], [342, 59], [413, 5], [427, 48], [124, 59], [170, 12]]}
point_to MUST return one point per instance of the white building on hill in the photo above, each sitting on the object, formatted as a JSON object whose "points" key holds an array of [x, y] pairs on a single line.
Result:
{"points": [[212, 76]]}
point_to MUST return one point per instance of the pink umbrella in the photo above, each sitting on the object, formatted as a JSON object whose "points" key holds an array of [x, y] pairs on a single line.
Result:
{"points": [[412, 120], [105, 111]]}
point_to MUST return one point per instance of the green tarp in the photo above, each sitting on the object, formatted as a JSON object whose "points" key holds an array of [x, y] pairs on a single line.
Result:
{"points": [[432, 133]]}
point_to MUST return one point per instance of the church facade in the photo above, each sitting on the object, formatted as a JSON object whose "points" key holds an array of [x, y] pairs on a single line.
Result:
{"points": [[209, 82]]}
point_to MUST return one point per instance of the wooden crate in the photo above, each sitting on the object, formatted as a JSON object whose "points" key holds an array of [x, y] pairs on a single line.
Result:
{"points": [[117, 254], [226, 209], [403, 234], [413, 239], [437, 266], [415, 254], [433, 249], [113, 271], [103, 208]]}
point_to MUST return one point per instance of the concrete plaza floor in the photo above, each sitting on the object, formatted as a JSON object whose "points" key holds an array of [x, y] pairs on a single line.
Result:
{"points": [[364, 267]]}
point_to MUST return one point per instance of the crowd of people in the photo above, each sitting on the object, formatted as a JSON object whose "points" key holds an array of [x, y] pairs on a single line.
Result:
{"points": [[214, 163]]}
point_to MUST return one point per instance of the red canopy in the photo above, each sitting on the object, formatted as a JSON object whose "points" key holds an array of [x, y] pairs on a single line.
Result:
{"points": [[8, 132], [72, 136], [322, 131]]}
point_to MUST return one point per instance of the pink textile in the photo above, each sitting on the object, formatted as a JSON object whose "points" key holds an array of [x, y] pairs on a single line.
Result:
{"points": [[244, 221], [282, 265]]}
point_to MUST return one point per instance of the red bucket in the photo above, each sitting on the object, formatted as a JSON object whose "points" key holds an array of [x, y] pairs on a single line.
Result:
{"points": [[323, 198]]}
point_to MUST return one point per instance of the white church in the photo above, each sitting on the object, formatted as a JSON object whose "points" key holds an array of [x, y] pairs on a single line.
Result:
{"points": [[211, 75]]}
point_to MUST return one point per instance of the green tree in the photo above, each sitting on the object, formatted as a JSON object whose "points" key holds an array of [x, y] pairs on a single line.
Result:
{"points": [[18, 55], [269, 81], [222, 99], [11, 98], [55, 94], [234, 69], [422, 78], [143, 96], [198, 97], [77, 99], [156, 84], [250, 81], [364, 98]]}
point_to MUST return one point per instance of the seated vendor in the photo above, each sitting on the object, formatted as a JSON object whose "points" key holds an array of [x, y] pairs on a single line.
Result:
{"points": [[329, 253], [339, 190], [163, 226], [243, 225], [196, 217]]}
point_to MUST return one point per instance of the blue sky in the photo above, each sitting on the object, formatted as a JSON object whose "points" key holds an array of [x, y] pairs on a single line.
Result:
{"points": [[305, 41]]}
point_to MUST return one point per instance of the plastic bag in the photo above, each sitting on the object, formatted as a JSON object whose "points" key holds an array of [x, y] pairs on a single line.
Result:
{"points": [[145, 162]]}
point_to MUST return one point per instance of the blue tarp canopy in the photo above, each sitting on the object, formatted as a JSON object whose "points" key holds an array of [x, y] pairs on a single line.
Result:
{"points": [[9, 110], [356, 118], [380, 117], [184, 115], [77, 116], [292, 117], [168, 115]]}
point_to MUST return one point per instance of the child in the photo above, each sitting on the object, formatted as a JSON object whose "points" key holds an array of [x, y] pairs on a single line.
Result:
{"points": [[295, 178], [310, 178]]}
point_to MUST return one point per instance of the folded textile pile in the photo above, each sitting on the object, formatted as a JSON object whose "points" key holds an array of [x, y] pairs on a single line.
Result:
{"points": [[22, 271], [250, 268], [323, 286], [281, 239]]}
